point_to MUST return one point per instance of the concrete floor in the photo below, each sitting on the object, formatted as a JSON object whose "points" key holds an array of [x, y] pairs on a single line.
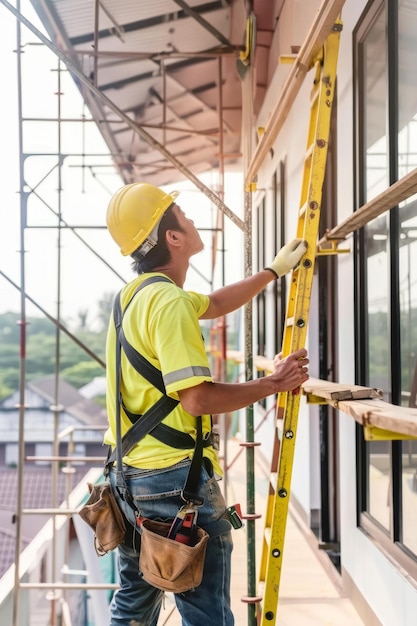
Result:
{"points": [[309, 594]]}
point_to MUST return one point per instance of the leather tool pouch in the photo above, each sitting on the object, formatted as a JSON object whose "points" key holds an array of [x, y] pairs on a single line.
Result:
{"points": [[102, 514], [168, 564]]}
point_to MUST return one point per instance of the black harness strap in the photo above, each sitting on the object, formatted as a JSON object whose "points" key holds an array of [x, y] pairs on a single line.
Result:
{"points": [[171, 436], [142, 365], [167, 435]]}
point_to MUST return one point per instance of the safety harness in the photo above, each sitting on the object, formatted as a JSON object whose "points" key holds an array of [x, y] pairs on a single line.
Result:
{"points": [[150, 421]]}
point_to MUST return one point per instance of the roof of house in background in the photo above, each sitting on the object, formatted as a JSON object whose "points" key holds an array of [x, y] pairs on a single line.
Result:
{"points": [[96, 387], [75, 404], [37, 489], [37, 480]]}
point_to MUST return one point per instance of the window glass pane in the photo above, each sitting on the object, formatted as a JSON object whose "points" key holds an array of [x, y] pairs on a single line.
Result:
{"points": [[379, 466], [379, 374], [407, 161], [408, 303], [374, 106], [409, 490], [407, 87], [378, 452], [12, 455]]}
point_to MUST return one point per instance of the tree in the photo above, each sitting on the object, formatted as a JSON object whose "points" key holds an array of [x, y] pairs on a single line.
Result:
{"points": [[81, 373], [75, 364], [82, 319], [105, 309]]}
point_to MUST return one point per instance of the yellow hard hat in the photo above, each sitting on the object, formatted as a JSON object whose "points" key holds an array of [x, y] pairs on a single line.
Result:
{"points": [[133, 216]]}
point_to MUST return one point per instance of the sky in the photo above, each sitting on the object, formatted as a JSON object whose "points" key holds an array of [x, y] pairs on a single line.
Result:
{"points": [[86, 185]]}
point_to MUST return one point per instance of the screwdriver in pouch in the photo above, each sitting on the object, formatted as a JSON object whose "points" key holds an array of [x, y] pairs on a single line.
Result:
{"points": [[177, 522], [186, 532]]}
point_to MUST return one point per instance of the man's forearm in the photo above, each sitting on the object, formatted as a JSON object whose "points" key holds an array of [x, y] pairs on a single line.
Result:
{"points": [[288, 374], [232, 297], [214, 398]]}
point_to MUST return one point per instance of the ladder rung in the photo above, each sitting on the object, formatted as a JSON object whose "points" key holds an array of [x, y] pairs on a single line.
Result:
{"points": [[314, 97], [309, 153], [303, 209], [267, 535]]}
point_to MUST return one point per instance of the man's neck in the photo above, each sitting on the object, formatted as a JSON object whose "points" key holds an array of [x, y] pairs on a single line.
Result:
{"points": [[175, 272]]}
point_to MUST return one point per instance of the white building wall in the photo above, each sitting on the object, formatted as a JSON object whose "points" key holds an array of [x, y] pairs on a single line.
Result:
{"points": [[385, 588]]}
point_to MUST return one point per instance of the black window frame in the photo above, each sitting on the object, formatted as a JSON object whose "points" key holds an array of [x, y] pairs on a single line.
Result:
{"points": [[388, 541]]}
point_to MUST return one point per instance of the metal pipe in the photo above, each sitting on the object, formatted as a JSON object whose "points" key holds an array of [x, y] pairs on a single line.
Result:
{"points": [[250, 451], [164, 103], [88, 586], [69, 430], [223, 326], [22, 323], [96, 39], [55, 408], [64, 512], [203, 22], [57, 457], [158, 56]]}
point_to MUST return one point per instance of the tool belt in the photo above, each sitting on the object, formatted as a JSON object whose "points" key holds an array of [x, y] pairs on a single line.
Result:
{"points": [[102, 513], [169, 563]]}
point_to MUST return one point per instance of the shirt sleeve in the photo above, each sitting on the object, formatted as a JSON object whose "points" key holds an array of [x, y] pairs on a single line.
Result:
{"points": [[179, 343]]}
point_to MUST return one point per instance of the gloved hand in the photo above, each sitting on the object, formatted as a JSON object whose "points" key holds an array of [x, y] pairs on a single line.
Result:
{"points": [[288, 257]]}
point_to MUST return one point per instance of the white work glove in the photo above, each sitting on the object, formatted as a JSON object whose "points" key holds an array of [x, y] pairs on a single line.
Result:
{"points": [[288, 257]]}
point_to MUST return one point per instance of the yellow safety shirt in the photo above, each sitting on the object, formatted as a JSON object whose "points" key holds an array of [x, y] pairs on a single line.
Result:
{"points": [[162, 324]]}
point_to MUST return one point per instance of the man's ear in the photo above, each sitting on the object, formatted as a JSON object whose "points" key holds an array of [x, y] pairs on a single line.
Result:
{"points": [[172, 238]]}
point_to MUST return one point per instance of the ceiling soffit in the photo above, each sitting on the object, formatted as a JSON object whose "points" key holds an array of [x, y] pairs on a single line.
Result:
{"points": [[161, 63]]}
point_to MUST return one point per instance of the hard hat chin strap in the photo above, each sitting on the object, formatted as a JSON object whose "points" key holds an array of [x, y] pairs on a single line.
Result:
{"points": [[149, 243]]}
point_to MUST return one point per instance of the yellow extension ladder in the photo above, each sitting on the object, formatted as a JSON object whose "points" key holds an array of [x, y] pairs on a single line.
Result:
{"points": [[296, 323]]}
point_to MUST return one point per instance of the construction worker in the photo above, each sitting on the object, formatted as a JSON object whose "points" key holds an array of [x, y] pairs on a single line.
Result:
{"points": [[162, 323]]}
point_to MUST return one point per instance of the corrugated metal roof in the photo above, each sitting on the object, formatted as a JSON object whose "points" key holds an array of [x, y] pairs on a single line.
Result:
{"points": [[148, 58]]}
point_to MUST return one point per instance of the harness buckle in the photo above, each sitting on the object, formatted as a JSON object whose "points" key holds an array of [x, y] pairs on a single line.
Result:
{"points": [[212, 438]]}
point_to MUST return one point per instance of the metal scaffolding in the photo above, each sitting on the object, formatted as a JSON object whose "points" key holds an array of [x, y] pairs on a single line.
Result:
{"points": [[29, 190], [253, 160]]}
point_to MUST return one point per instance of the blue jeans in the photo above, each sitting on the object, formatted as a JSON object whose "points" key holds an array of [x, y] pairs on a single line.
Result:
{"points": [[156, 494]]}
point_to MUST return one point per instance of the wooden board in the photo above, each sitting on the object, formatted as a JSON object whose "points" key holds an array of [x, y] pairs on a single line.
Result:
{"points": [[399, 419], [338, 391], [364, 404], [396, 193]]}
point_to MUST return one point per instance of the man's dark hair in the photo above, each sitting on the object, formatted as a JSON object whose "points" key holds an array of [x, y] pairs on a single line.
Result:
{"points": [[159, 255]]}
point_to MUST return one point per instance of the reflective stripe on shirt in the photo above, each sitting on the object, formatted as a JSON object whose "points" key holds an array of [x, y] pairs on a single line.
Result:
{"points": [[184, 373]]}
